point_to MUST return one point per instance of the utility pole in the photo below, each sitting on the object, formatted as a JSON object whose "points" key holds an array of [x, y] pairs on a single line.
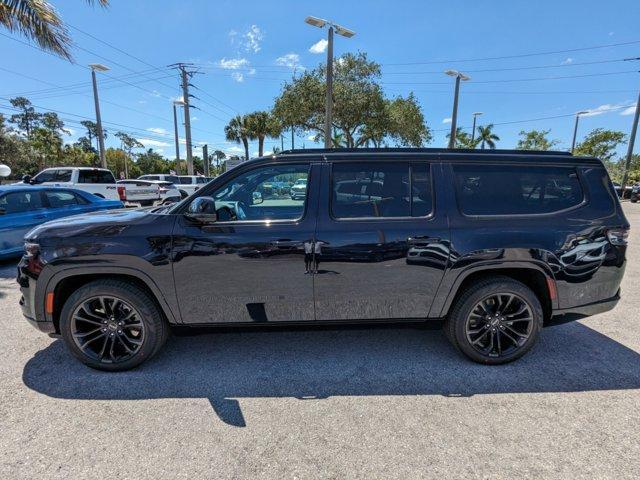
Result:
{"points": [[575, 130], [101, 68], [632, 140], [205, 159], [185, 75], [293, 145], [175, 134]]}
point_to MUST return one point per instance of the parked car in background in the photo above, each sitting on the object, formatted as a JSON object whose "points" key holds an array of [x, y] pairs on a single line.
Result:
{"points": [[191, 183], [635, 193], [160, 191], [24, 207], [99, 182], [163, 177], [495, 243], [299, 189]]}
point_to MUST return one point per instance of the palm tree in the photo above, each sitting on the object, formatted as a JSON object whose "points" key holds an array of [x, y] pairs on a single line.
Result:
{"points": [[40, 22], [261, 125], [237, 131], [486, 135], [463, 140]]}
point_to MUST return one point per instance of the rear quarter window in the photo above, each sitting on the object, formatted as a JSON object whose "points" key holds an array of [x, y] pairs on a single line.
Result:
{"points": [[95, 176], [516, 189]]}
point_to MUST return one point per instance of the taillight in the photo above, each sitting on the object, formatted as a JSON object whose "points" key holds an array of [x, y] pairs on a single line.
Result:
{"points": [[122, 193], [618, 236]]}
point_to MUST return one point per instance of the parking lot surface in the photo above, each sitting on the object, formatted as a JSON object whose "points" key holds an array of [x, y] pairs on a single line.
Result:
{"points": [[330, 403]]}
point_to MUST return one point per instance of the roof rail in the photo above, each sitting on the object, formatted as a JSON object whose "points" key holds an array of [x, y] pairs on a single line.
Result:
{"points": [[424, 150]]}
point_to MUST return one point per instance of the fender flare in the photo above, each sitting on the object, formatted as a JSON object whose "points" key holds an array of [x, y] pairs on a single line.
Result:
{"points": [[54, 280], [455, 286]]}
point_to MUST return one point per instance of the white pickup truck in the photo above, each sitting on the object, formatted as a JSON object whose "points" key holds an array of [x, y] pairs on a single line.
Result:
{"points": [[98, 181]]}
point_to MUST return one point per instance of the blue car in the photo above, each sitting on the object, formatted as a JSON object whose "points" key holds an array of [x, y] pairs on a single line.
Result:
{"points": [[24, 207]]}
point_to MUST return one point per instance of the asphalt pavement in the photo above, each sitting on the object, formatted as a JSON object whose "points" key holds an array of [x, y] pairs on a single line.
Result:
{"points": [[330, 403]]}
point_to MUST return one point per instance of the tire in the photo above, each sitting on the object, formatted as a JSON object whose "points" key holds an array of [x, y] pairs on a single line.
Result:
{"points": [[108, 346], [484, 317], [634, 200]]}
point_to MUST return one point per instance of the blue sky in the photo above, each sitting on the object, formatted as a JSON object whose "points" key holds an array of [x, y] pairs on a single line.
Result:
{"points": [[245, 50]]}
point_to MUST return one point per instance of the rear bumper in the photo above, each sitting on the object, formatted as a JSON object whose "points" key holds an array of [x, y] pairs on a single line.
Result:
{"points": [[576, 313]]}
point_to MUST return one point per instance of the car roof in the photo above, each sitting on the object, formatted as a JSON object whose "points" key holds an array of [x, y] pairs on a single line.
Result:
{"points": [[37, 188], [76, 168], [437, 154]]}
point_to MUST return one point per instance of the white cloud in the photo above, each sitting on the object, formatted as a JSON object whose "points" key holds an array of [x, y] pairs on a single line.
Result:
{"points": [[70, 130], [237, 76], [611, 34], [291, 60], [158, 150], [147, 142], [159, 131], [319, 47], [567, 61], [155, 93], [194, 119], [233, 63], [599, 110], [312, 138], [446, 120], [629, 110], [252, 39]]}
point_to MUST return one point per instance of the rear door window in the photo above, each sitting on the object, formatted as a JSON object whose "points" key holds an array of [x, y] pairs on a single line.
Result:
{"points": [[20, 202], [381, 189], [516, 189], [63, 198], [95, 176]]}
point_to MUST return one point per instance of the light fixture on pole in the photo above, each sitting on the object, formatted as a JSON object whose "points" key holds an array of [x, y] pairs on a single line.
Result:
{"points": [[575, 129], [632, 141], [98, 67], [345, 32], [473, 131], [454, 116]]}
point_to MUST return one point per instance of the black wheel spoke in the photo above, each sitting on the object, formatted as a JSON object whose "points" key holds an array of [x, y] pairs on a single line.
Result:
{"points": [[499, 324], [107, 329]]}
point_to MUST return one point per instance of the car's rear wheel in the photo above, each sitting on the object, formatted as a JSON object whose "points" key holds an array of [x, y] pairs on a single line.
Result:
{"points": [[495, 321], [112, 325]]}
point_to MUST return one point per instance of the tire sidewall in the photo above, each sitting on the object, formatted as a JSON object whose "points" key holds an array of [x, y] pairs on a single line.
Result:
{"points": [[132, 295]]}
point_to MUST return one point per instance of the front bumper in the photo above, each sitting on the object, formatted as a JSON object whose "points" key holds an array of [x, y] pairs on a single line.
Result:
{"points": [[27, 281]]}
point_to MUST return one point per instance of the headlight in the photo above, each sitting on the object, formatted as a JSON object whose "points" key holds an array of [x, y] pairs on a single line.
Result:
{"points": [[31, 249], [618, 236]]}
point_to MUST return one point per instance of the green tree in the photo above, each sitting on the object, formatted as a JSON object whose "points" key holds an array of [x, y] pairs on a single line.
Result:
{"points": [[260, 125], [361, 112], [487, 137], [536, 140], [600, 143], [237, 131], [463, 139], [152, 162], [27, 119], [128, 143], [39, 21]]}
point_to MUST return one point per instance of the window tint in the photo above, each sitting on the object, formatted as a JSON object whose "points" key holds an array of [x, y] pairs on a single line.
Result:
{"points": [[381, 190], [62, 198], [170, 178], [201, 180], [516, 190], [184, 180], [19, 202], [262, 194], [45, 176], [63, 175], [95, 176]]}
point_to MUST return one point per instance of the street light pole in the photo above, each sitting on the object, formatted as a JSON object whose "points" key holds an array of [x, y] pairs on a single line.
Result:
{"points": [[345, 32], [575, 131], [473, 132], [101, 68], [454, 116], [632, 140]]}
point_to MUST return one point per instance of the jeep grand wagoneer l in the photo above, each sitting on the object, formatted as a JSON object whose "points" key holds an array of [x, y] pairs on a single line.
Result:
{"points": [[496, 244]]}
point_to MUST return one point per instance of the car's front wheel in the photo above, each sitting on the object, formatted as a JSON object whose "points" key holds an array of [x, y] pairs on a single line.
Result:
{"points": [[112, 325], [495, 321]]}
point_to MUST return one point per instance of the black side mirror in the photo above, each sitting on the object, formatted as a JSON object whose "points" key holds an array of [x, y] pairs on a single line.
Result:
{"points": [[202, 210], [26, 179]]}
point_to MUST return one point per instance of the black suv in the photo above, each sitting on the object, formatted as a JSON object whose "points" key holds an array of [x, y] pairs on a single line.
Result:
{"points": [[496, 244]]}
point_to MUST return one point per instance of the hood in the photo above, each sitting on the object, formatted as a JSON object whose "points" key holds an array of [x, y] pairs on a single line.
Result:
{"points": [[103, 223]]}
